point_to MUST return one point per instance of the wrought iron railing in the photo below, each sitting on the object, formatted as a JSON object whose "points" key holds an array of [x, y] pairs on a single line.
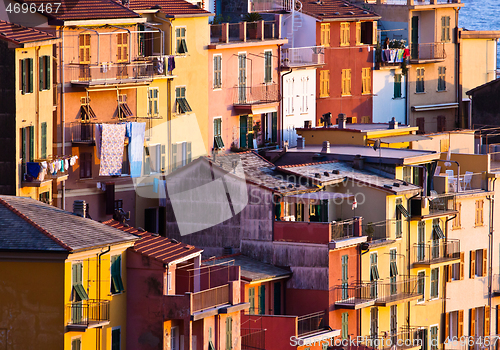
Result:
{"points": [[82, 132], [253, 339], [302, 56], [439, 250], [265, 93], [427, 51], [353, 294], [86, 312], [312, 323], [442, 204], [210, 298], [402, 338], [342, 229]]}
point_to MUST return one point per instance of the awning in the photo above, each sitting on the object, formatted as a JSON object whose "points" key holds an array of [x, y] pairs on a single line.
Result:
{"points": [[323, 195], [434, 107], [401, 138]]}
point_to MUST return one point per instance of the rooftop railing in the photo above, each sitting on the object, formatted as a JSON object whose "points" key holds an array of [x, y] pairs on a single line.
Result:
{"points": [[312, 323], [302, 56]]}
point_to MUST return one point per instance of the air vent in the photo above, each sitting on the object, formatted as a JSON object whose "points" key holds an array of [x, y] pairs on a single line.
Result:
{"points": [[395, 184], [326, 173], [388, 186], [317, 175], [335, 172], [350, 13]]}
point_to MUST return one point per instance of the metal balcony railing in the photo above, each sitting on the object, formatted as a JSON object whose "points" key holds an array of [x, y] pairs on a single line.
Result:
{"points": [[302, 56], [210, 298], [350, 295], [342, 229], [395, 289], [270, 5], [438, 251], [495, 285], [312, 323], [402, 338], [87, 313], [428, 51], [82, 132], [442, 204], [265, 93]]}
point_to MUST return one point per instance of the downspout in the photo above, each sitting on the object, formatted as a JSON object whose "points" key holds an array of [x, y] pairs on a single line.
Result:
{"points": [[37, 99], [443, 310], [99, 335], [491, 199], [458, 71], [63, 116], [282, 104], [408, 248]]}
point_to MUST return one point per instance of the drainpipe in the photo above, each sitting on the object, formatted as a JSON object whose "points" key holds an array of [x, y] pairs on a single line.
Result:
{"points": [[443, 309], [63, 116], [99, 334], [491, 199], [408, 261], [282, 104], [37, 99], [458, 70]]}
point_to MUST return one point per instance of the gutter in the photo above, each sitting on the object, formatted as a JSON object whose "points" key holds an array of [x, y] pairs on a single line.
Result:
{"points": [[281, 89], [63, 117], [491, 199]]}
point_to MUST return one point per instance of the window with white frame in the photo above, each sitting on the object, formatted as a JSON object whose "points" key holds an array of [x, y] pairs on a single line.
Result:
{"points": [[180, 41], [304, 108], [289, 95], [268, 66], [218, 142], [217, 71]]}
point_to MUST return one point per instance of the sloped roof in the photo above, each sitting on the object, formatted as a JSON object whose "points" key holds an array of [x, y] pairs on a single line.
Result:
{"points": [[168, 7], [19, 34], [335, 9], [85, 9], [156, 247], [480, 87], [27, 224]]}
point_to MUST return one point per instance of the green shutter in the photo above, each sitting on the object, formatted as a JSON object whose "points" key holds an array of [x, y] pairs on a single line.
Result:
{"points": [[243, 131], [262, 299], [44, 140], [274, 127], [30, 72], [23, 76], [251, 300], [23, 144], [76, 344], [116, 274], [47, 72], [41, 73], [32, 143]]}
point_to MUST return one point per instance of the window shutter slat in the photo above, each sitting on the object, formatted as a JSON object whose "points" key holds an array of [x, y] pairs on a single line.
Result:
{"points": [[460, 330], [472, 264], [485, 262]]}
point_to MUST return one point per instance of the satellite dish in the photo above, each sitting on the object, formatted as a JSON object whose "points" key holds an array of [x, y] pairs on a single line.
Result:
{"points": [[376, 145]]}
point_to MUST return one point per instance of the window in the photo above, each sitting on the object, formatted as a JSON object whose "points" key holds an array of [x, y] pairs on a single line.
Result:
{"points": [[421, 285], [122, 47], [421, 125], [84, 48], [169, 282], [78, 291], [365, 119], [43, 145], [289, 95], [345, 34], [358, 33], [397, 86], [454, 324], [374, 276], [246, 131], [154, 159], [116, 339], [181, 154], [229, 333], [434, 338], [345, 276], [180, 99], [420, 80], [407, 174], [441, 78], [44, 72], [180, 41], [26, 78], [268, 66], [346, 82], [325, 34], [434, 283], [479, 212], [217, 72], [478, 262], [324, 83], [394, 323], [345, 325], [262, 300], [304, 108], [299, 211], [251, 300], [85, 165], [116, 274], [445, 28], [44, 197], [153, 110], [399, 217], [76, 344], [374, 322], [393, 269], [124, 110], [366, 80], [218, 143]]}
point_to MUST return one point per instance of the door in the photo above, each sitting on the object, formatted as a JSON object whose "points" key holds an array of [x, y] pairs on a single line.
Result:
{"points": [[151, 220], [345, 277], [414, 37], [174, 338], [394, 323], [277, 298], [243, 131], [274, 127], [242, 78]]}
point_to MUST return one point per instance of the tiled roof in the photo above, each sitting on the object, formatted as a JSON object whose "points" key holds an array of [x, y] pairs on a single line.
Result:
{"points": [[251, 269], [156, 247], [261, 172], [27, 224], [316, 173], [19, 34], [335, 9], [168, 7], [86, 9]]}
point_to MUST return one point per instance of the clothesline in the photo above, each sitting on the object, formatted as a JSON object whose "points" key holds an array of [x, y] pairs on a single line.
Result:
{"points": [[40, 168]]}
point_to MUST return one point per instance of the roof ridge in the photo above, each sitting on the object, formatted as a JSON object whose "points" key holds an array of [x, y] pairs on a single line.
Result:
{"points": [[34, 224]]}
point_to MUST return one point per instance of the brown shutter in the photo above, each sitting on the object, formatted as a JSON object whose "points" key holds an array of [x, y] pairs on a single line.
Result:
{"points": [[448, 272], [485, 262], [472, 269], [446, 326], [460, 330], [472, 322], [462, 260], [486, 321]]}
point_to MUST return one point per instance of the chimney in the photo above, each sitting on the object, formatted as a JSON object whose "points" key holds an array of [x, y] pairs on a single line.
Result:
{"points": [[393, 124], [326, 147], [79, 208], [301, 142], [358, 162], [342, 121]]}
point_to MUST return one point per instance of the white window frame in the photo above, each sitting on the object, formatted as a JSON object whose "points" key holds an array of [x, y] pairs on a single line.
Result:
{"points": [[271, 81], [213, 61], [175, 38], [150, 112], [304, 106], [436, 297], [213, 131]]}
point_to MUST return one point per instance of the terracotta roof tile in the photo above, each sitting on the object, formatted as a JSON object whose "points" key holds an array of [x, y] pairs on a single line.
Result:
{"points": [[86, 9], [332, 9], [156, 247], [168, 7], [19, 34]]}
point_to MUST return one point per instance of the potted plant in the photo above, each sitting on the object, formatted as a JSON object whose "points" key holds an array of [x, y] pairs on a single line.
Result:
{"points": [[252, 18]]}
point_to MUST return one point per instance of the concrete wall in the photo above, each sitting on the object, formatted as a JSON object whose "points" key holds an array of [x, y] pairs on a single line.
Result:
{"points": [[459, 142], [479, 62], [385, 105], [304, 35]]}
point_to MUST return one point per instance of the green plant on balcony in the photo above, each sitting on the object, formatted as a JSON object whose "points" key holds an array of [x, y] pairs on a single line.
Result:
{"points": [[219, 19], [252, 17]]}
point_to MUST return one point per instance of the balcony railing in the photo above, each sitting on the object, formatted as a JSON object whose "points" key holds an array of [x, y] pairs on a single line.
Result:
{"points": [[428, 51], [407, 2], [302, 56], [442, 204], [82, 132], [88, 313], [210, 298], [495, 285], [244, 31], [342, 229], [377, 230], [354, 296], [312, 323], [440, 251], [399, 289], [146, 69], [260, 94], [270, 5], [402, 338]]}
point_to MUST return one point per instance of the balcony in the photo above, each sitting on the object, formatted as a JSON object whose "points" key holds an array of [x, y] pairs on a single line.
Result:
{"points": [[302, 56], [402, 338], [438, 205], [87, 314], [354, 296], [312, 323], [270, 5], [440, 253], [254, 33], [250, 99], [82, 133], [428, 52], [117, 73], [495, 285], [210, 298]]}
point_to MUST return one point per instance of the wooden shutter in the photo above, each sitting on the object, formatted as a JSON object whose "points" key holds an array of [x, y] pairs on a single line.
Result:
{"points": [[22, 66], [32, 143], [485, 262], [472, 322], [486, 321], [374, 33], [44, 140], [262, 299], [41, 73], [47, 72], [472, 269], [449, 272], [446, 326], [30, 75], [460, 329], [462, 261], [274, 126]]}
